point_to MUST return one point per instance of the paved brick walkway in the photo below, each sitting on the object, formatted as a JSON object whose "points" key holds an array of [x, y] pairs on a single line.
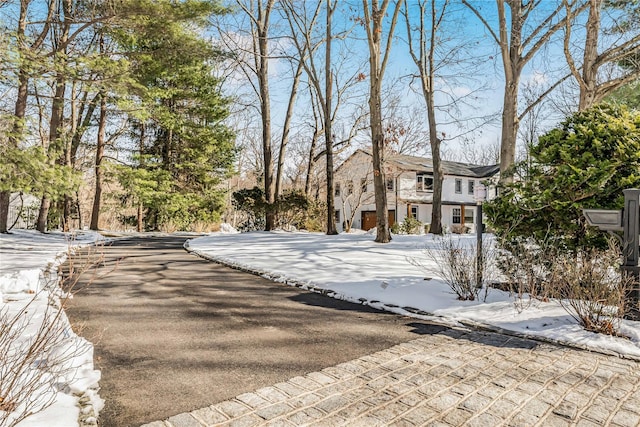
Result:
{"points": [[453, 378]]}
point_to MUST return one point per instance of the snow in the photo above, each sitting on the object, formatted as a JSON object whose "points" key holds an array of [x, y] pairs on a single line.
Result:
{"points": [[28, 262], [399, 277]]}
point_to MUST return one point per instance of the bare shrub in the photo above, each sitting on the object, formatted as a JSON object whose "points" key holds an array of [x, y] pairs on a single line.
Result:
{"points": [[591, 288], [204, 227], [38, 348], [526, 265], [169, 227], [459, 229], [455, 262]]}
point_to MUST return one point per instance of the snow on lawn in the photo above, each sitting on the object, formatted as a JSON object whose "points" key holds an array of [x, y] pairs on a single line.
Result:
{"points": [[393, 277], [28, 261]]}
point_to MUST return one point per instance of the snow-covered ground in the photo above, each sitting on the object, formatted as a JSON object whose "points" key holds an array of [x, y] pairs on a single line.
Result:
{"points": [[28, 262], [348, 266], [392, 277]]}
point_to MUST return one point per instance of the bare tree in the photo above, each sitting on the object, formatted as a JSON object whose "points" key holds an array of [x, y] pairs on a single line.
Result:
{"points": [[353, 196], [259, 14], [519, 40], [423, 56], [379, 49], [599, 74], [404, 127], [329, 86]]}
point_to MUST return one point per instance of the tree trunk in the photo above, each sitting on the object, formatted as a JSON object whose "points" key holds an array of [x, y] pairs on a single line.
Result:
{"points": [[428, 77], [5, 197], [57, 107], [43, 213], [436, 204], [79, 210], [19, 112], [380, 189], [139, 222], [265, 110], [310, 165], [589, 88], [22, 94], [66, 213], [97, 198], [139, 218], [328, 131], [286, 129], [377, 63], [509, 130]]}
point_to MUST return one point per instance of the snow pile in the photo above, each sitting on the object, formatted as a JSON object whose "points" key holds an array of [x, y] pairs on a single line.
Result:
{"points": [[28, 262], [388, 276], [227, 228]]}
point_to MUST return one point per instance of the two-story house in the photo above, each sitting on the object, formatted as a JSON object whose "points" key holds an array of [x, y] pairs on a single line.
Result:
{"points": [[409, 182]]}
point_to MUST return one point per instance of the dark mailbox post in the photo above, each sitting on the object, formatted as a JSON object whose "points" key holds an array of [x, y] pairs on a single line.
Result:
{"points": [[627, 221], [631, 247]]}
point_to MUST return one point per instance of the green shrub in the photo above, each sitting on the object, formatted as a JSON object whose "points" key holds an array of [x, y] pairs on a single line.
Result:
{"points": [[410, 225], [585, 162]]}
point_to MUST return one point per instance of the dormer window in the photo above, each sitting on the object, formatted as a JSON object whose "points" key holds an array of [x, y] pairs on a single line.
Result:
{"points": [[424, 182]]}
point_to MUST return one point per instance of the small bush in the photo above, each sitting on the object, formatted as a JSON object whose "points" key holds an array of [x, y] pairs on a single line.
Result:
{"points": [[591, 289], [586, 282], [204, 227], [459, 229], [291, 209], [526, 265], [455, 262], [409, 225]]}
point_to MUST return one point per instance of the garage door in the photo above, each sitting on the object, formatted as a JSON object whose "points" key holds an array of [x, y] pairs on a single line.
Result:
{"points": [[369, 219]]}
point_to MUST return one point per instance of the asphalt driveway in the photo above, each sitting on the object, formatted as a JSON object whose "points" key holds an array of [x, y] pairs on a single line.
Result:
{"points": [[174, 333]]}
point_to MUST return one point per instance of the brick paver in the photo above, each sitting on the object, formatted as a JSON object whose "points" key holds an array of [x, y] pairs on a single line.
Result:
{"points": [[454, 378]]}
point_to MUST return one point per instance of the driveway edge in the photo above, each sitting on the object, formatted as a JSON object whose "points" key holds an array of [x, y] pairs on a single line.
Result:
{"points": [[392, 308]]}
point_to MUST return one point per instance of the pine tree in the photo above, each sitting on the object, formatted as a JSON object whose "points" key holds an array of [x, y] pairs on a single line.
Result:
{"points": [[585, 162], [185, 148]]}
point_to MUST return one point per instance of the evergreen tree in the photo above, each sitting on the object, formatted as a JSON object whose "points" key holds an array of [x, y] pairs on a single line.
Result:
{"points": [[184, 146], [586, 162]]}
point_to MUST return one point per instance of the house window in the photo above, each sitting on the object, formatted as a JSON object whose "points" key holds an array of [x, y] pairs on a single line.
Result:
{"points": [[363, 185], [414, 211], [468, 216], [457, 216], [350, 187], [337, 216], [424, 182], [472, 186], [458, 186], [390, 184], [336, 191]]}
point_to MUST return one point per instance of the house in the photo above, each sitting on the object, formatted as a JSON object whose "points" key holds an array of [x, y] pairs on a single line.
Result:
{"points": [[409, 182]]}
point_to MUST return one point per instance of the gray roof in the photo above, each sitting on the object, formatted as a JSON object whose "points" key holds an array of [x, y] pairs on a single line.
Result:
{"points": [[424, 164]]}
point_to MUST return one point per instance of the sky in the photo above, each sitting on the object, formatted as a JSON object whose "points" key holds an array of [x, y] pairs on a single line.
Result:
{"points": [[477, 70]]}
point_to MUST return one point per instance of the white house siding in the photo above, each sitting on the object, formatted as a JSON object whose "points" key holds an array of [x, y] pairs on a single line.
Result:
{"points": [[404, 194]]}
